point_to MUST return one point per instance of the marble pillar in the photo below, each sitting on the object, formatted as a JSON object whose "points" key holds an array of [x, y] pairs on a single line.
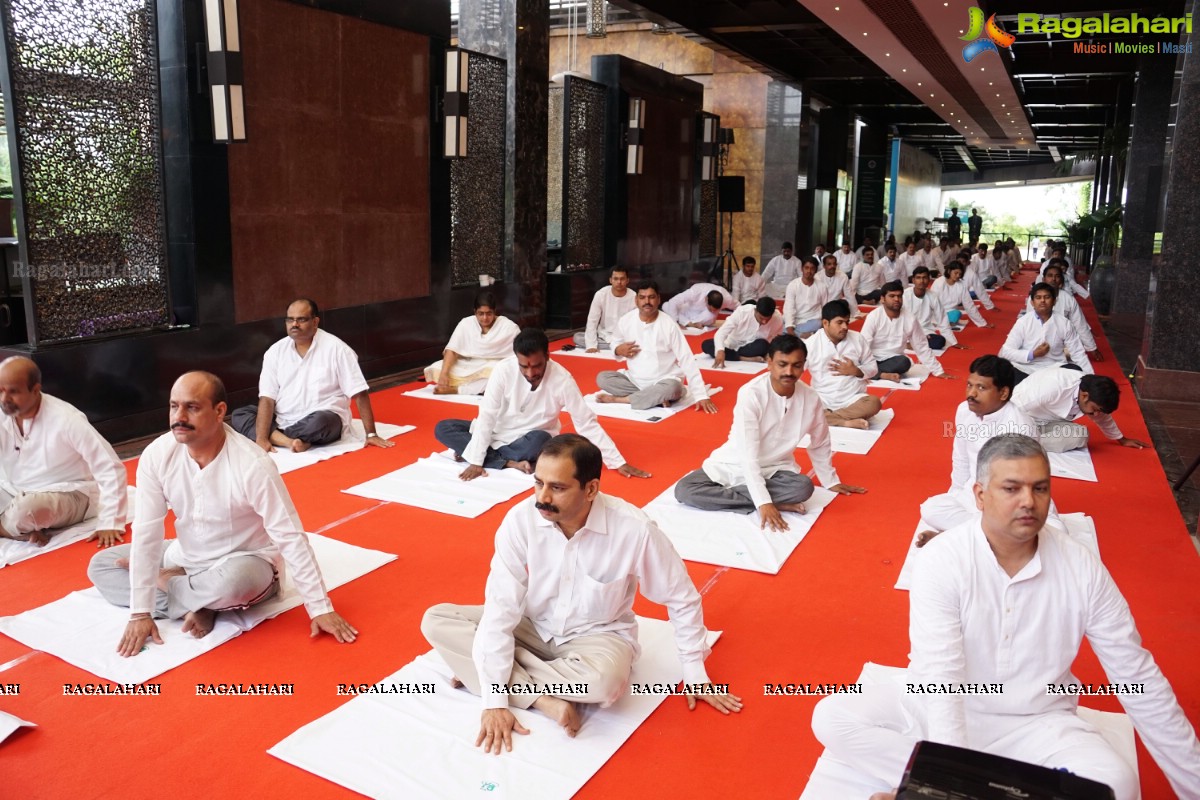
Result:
{"points": [[781, 165]]}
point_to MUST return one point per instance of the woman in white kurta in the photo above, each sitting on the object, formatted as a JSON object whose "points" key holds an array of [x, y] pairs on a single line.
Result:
{"points": [[478, 343]]}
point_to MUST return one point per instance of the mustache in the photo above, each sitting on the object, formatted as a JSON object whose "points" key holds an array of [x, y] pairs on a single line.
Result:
{"points": [[553, 509], [183, 426]]}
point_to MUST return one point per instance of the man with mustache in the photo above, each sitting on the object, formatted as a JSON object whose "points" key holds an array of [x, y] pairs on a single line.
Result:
{"points": [[55, 468], [525, 397], [557, 626], [657, 355], [755, 468], [1044, 340], [839, 366], [305, 388], [1006, 600], [235, 528]]}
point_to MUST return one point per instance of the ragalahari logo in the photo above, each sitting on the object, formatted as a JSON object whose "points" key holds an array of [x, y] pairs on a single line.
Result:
{"points": [[993, 39]]}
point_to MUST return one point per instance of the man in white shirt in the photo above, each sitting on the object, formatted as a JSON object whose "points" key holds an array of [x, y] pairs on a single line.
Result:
{"points": [[892, 271], [847, 259], [819, 253], [953, 293], [986, 412], [235, 528], [890, 329], [748, 285], [939, 256], [839, 365], [1065, 305], [657, 356], [1055, 398], [755, 468], [803, 301], [1005, 600], [520, 411], [608, 305], [699, 305], [781, 270], [837, 285], [927, 307], [305, 388], [908, 261], [1044, 340], [747, 333], [56, 470], [557, 626], [868, 244], [867, 283]]}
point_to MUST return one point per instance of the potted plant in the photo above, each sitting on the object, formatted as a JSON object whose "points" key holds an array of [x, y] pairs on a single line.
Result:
{"points": [[1104, 226]]}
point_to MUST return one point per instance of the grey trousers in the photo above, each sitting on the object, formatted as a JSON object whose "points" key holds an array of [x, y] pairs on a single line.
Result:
{"points": [[698, 490], [899, 364], [39, 511], [318, 428], [618, 385], [600, 662], [580, 340], [1061, 436], [238, 582]]}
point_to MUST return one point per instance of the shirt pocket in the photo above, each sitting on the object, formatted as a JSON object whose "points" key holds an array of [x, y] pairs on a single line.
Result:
{"points": [[601, 602]]}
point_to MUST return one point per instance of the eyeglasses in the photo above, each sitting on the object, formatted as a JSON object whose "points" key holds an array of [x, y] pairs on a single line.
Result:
{"points": [[297, 320]]}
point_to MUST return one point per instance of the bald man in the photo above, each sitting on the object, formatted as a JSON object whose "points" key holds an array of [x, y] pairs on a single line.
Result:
{"points": [[235, 528], [55, 469]]}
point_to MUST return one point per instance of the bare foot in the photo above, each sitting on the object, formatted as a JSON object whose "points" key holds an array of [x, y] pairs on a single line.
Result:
{"points": [[38, 538], [455, 683], [759, 359], [460, 460], [925, 537], [608, 398], [439, 389], [797, 508], [523, 466], [165, 575], [860, 424], [199, 623], [123, 563], [298, 446], [561, 711], [890, 376]]}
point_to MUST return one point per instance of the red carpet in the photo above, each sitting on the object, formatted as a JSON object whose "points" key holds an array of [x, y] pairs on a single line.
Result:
{"points": [[830, 609]]}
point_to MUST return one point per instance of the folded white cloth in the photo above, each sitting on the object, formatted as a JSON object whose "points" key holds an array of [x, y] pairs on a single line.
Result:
{"points": [[911, 380], [433, 483], [9, 725], [12, 551], [623, 410], [833, 779], [581, 352], [689, 331], [853, 440], [730, 539], [1074, 464], [353, 438], [410, 746], [83, 628], [743, 367], [426, 393]]}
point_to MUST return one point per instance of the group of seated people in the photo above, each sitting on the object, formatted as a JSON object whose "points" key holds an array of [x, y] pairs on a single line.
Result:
{"points": [[995, 542]]}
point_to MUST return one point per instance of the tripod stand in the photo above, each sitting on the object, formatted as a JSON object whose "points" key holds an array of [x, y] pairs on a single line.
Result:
{"points": [[727, 264]]}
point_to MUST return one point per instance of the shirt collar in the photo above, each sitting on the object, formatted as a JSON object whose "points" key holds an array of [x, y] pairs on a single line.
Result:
{"points": [[596, 522]]}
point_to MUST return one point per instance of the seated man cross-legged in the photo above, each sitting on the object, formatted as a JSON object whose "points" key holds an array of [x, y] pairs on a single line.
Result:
{"points": [[889, 329], [746, 334], [755, 468], [839, 365], [478, 344], [556, 627]]}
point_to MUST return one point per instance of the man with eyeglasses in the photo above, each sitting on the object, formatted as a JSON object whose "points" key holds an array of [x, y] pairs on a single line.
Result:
{"points": [[305, 388]]}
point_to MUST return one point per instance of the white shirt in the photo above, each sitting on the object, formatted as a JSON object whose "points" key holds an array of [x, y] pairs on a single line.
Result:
{"points": [[324, 379], [742, 328], [664, 352], [511, 409], [602, 317], [691, 305], [838, 391], [937, 258], [477, 350], [846, 261], [781, 271], [887, 337], [581, 586], [956, 296], [802, 303], [969, 622], [60, 451], [1069, 284], [237, 505], [750, 288], [1030, 331], [875, 250], [762, 440], [867, 278], [1052, 395], [971, 433], [930, 313], [1065, 305], [892, 271], [908, 263], [837, 288]]}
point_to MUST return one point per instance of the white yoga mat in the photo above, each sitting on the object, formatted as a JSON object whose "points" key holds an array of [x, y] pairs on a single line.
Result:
{"points": [[13, 552], [10, 724], [409, 746], [433, 483], [580, 352], [426, 393], [83, 628], [1079, 525], [912, 354], [353, 439], [623, 410], [855, 441], [911, 380], [1074, 464], [689, 331], [743, 367], [833, 779], [729, 539]]}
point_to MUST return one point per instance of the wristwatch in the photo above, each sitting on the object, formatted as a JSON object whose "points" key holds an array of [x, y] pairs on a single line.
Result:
{"points": [[372, 433]]}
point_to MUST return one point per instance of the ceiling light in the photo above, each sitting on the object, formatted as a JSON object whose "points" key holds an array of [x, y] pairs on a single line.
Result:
{"points": [[918, 83], [931, 94], [864, 33], [1002, 105], [904, 70], [889, 55]]}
